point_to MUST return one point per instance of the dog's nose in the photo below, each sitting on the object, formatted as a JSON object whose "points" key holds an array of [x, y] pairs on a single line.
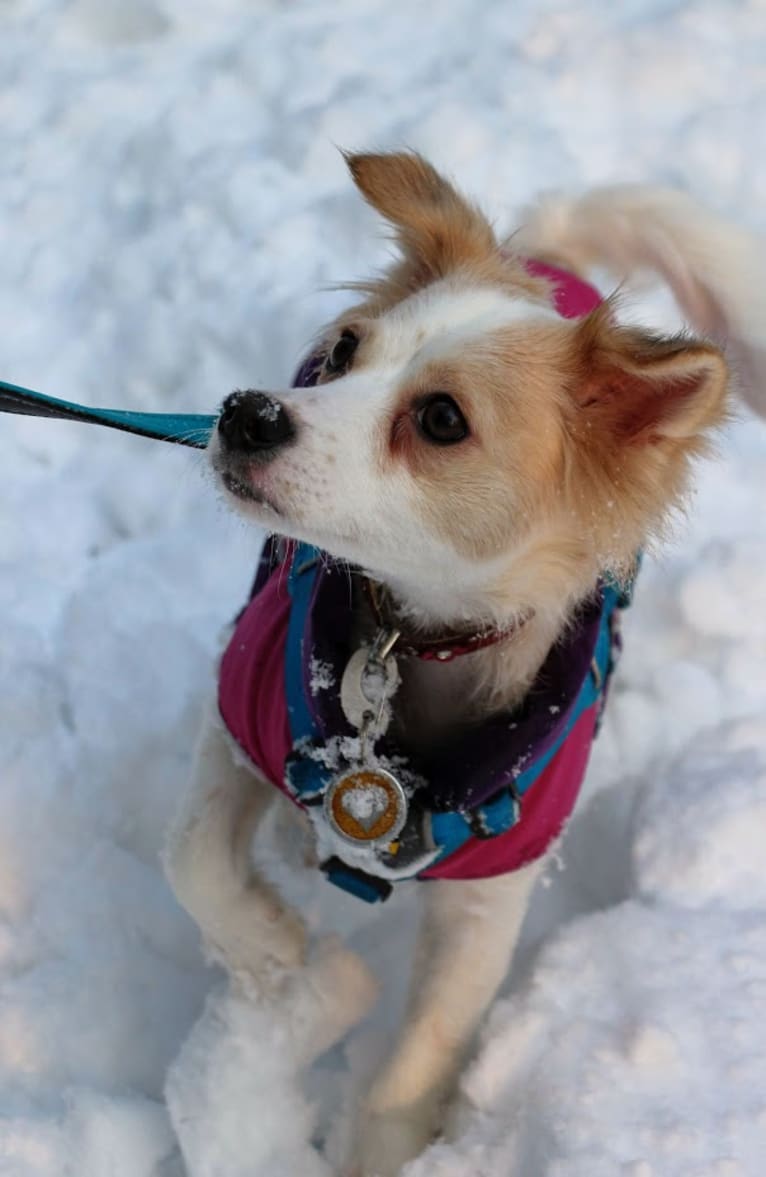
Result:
{"points": [[252, 421]]}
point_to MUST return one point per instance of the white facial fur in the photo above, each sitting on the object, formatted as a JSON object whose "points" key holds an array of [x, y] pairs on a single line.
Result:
{"points": [[329, 487]]}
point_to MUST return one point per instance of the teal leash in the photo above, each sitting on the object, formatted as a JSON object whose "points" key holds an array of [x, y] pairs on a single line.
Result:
{"points": [[192, 429]]}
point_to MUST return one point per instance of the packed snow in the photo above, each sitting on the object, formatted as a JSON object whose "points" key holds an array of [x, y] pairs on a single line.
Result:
{"points": [[171, 204]]}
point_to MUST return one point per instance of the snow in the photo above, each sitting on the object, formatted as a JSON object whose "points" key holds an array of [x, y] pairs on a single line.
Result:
{"points": [[171, 204], [365, 804], [321, 677]]}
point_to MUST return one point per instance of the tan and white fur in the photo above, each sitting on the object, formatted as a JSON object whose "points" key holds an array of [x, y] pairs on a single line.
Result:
{"points": [[579, 443]]}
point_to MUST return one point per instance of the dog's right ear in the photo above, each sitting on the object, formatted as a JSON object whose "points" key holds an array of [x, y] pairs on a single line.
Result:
{"points": [[437, 229], [641, 390]]}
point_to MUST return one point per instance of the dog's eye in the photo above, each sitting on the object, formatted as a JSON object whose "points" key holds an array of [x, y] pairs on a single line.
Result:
{"points": [[441, 421], [342, 352]]}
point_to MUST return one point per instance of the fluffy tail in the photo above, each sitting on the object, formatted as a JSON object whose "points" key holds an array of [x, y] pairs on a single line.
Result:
{"points": [[717, 272]]}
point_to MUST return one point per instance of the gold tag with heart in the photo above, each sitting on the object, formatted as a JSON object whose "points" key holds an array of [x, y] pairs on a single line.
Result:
{"points": [[366, 805]]}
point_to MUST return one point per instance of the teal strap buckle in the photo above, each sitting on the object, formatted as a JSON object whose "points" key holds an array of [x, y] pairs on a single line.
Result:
{"points": [[192, 429]]}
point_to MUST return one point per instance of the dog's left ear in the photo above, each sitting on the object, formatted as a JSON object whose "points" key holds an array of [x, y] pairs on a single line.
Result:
{"points": [[638, 388], [438, 230]]}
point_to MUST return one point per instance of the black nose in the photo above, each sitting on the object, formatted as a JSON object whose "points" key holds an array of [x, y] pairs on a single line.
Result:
{"points": [[253, 421]]}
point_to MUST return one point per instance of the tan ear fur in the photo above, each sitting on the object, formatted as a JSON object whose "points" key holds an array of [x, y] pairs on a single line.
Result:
{"points": [[438, 230], [639, 410], [645, 389]]}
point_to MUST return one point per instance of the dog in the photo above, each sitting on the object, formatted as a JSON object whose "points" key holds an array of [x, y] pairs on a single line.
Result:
{"points": [[458, 488]]}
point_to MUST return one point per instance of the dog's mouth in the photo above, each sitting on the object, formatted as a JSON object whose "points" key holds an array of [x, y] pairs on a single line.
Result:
{"points": [[244, 491]]}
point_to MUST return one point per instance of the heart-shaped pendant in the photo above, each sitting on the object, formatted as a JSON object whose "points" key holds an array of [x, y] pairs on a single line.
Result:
{"points": [[366, 805]]}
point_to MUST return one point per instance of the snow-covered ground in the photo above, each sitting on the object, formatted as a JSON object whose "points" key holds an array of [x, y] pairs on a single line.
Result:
{"points": [[171, 201]]}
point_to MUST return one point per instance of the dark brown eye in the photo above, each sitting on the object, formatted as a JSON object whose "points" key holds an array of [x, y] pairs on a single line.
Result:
{"points": [[342, 352], [441, 421]]}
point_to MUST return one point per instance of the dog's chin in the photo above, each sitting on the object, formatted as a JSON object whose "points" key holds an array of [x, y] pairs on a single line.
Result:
{"points": [[253, 503]]}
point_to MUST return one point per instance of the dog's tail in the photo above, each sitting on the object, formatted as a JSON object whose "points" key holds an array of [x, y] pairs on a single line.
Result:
{"points": [[717, 272]]}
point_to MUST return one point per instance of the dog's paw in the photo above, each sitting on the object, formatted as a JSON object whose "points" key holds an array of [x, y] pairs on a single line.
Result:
{"points": [[341, 984], [343, 971], [318, 1003], [259, 937], [284, 936], [388, 1140]]}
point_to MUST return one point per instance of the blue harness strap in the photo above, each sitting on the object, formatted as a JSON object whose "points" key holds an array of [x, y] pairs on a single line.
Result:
{"points": [[451, 830], [306, 778]]}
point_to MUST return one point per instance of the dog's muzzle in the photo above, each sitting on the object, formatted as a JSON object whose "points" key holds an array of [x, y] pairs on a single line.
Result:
{"points": [[253, 424]]}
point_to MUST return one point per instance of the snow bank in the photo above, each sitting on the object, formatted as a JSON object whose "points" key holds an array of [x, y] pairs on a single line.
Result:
{"points": [[632, 1047], [170, 201]]}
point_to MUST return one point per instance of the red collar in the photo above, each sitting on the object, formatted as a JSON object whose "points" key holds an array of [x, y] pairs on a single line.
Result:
{"points": [[443, 648]]}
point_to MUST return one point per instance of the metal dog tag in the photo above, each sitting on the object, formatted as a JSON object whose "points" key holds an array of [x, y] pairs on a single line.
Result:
{"points": [[367, 685], [366, 806]]}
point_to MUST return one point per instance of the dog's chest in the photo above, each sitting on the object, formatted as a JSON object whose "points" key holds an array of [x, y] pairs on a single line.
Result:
{"points": [[433, 703]]}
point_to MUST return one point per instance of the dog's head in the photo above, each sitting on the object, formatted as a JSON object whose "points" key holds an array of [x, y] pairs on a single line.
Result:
{"points": [[464, 442]]}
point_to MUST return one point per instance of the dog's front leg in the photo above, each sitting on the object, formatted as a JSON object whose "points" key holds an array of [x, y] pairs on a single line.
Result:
{"points": [[244, 923], [469, 931]]}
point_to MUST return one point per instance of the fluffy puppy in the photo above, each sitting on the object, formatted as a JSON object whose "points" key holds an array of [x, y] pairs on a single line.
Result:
{"points": [[486, 461]]}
